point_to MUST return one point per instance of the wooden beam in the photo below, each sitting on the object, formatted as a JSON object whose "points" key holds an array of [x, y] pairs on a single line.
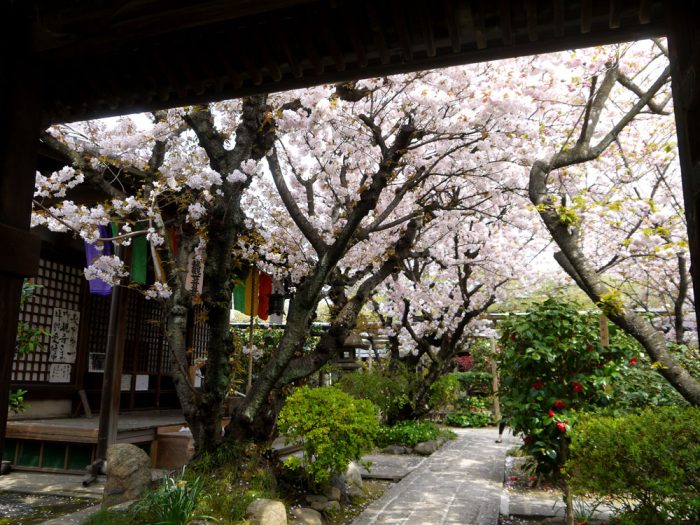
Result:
{"points": [[683, 26], [452, 24], [615, 8], [358, 44], [378, 32], [402, 29], [292, 62], [312, 53], [531, 13], [23, 257], [506, 23], [586, 15], [270, 63], [331, 43], [426, 23], [111, 379], [645, 11], [558, 9], [479, 25], [20, 121]]}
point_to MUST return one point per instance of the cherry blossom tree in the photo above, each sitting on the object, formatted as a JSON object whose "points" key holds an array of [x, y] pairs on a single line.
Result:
{"points": [[174, 172], [606, 191], [394, 141]]}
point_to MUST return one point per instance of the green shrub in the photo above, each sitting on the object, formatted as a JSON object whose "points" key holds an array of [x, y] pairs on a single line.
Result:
{"points": [[649, 463], [408, 433], [388, 390], [474, 381], [641, 385], [332, 427], [468, 419], [552, 365], [444, 392]]}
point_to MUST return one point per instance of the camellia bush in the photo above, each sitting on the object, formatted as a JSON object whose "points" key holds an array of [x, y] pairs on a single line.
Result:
{"points": [[332, 427], [647, 465], [552, 364]]}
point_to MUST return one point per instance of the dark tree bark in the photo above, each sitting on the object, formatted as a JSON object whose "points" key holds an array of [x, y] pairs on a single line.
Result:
{"points": [[203, 408]]}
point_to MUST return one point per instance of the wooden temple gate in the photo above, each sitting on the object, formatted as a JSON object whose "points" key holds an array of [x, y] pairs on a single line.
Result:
{"points": [[72, 60]]}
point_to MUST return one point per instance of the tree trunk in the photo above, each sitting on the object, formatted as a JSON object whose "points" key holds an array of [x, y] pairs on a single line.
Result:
{"points": [[575, 263]]}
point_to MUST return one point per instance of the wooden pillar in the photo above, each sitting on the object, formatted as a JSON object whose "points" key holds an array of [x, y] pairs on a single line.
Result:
{"points": [[20, 121], [495, 382], [683, 26], [114, 363], [604, 332]]}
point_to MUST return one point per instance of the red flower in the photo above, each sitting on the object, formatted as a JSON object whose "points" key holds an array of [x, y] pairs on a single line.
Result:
{"points": [[559, 404], [514, 478], [551, 413], [561, 426], [537, 385], [464, 363], [589, 346], [633, 361], [512, 337], [578, 387]]}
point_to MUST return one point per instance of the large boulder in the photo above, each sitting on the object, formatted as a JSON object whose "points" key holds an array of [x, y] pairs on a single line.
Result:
{"points": [[426, 448], [128, 474], [304, 516], [266, 512]]}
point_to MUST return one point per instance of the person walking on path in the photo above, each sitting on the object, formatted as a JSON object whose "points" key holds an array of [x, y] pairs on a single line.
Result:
{"points": [[501, 427]]}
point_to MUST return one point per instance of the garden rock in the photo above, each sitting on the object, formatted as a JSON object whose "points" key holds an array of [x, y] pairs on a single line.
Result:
{"points": [[128, 474], [304, 516], [426, 448], [353, 480], [315, 498], [266, 512], [318, 505], [395, 449], [338, 482], [330, 507], [333, 493]]}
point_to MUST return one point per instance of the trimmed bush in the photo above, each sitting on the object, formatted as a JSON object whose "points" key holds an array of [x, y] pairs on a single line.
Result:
{"points": [[408, 433], [332, 427], [468, 419], [649, 463], [444, 392], [386, 389]]}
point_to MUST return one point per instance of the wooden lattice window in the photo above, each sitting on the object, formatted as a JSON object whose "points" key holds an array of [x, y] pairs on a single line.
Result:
{"points": [[200, 332], [55, 307]]}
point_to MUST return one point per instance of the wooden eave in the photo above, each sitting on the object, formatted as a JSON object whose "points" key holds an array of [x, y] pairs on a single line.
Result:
{"points": [[99, 58]]}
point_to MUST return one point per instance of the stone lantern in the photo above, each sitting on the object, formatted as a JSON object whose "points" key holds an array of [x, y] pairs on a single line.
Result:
{"points": [[348, 354]]}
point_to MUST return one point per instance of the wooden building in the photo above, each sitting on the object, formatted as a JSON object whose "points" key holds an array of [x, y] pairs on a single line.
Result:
{"points": [[64, 377], [68, 60]]}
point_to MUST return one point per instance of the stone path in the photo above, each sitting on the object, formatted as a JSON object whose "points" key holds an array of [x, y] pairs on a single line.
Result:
{"points": [[460, 484]]}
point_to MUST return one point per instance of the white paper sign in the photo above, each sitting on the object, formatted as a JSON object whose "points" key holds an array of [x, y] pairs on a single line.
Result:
{"points": [[141, 382], [126, 383], [64, 336], [59, 373]]}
